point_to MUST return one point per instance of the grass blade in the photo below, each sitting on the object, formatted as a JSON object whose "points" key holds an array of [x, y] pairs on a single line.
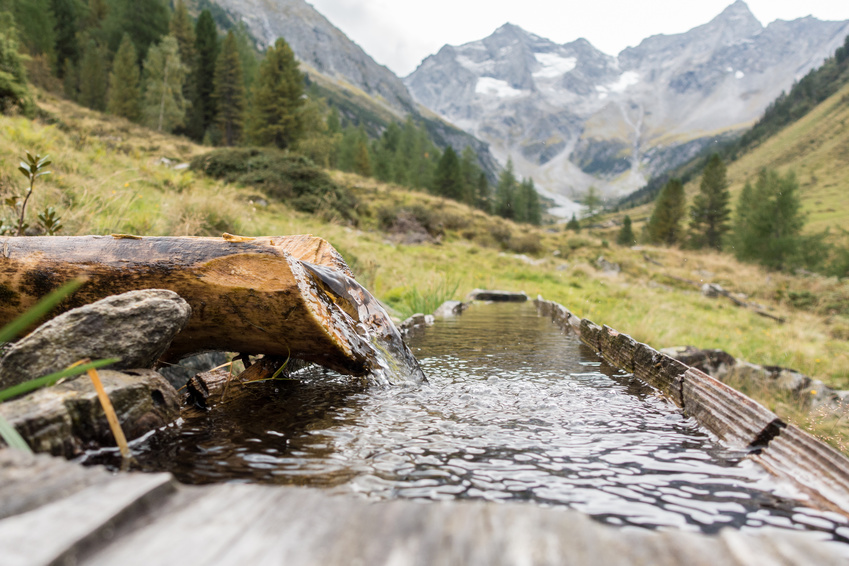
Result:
{"points": [[52, 378], [45, 305], [11, 436], [111, 417]]}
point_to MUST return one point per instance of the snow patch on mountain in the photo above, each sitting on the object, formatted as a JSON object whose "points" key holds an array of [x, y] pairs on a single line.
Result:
{"points": [[489, 86], [553, 65], [629, 78]]}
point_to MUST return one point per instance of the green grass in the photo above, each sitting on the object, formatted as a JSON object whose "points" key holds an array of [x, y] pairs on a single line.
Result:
{"points": [[107, 179]]}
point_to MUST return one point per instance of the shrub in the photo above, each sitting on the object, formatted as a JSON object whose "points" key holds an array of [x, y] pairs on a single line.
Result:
{"points": [[288, 178]]}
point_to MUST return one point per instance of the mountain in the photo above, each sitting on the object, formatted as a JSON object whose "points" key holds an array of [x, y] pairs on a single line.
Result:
{"points": [[363, 90], [571, 116]]}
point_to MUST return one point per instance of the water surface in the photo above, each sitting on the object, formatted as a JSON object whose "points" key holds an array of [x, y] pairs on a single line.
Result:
{"points": [[513, 411]]}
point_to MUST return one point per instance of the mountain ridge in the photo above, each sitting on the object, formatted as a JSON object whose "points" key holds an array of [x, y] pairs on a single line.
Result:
{"points": [[572, 116]]}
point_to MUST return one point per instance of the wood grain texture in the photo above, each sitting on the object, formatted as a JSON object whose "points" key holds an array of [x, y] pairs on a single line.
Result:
{"points": [[253, 296]]}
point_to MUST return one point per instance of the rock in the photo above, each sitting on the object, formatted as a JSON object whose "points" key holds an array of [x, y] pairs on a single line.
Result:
{"points": [[712, 290], [715, 363], [416, 320], [65, 419], [136, 327], [179, 374], [607, 267], [496, 296], [450, 308]]}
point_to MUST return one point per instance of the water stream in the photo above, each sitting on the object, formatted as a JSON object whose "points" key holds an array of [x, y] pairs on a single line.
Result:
{"points": [[513, 411]]}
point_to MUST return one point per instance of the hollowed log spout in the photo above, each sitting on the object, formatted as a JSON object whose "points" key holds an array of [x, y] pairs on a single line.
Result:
{"points": [[288, 296]]}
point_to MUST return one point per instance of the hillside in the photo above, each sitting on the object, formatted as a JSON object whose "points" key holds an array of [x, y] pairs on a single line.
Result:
{"points": [[816, 148], [365, 92], [110, 177]]}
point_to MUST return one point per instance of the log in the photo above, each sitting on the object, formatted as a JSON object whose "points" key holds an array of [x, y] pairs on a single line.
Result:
{"points": [[290, 296]]}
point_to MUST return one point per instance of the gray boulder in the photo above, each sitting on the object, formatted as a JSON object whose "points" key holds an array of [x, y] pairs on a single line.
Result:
{"points": [[136, 327], [66, 419]]}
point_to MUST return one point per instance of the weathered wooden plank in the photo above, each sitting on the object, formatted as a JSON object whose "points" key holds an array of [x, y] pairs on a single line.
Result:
{"points": [[28, 481], [58, 532], [618, 349], [659, 371], [496, 296], [559, 314], [820, 469], [735, 418], [246, 524], [591, 334]]}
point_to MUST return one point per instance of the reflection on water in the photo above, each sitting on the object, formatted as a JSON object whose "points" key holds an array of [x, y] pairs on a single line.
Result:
{"points": [[513, 411]]}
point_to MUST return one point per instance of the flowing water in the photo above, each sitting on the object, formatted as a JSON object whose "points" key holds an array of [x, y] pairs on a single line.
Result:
{"points": [[513, 411]]}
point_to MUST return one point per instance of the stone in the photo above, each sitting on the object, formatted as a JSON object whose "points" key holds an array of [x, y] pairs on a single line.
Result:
{"points": [[712, 290], [415, 321], [180, 373], [607, 266], [715, 363], [66, 419], [450, 308], [136, 327]]}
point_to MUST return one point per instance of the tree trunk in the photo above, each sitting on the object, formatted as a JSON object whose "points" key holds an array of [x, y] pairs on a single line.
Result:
{"points": [[270, 295]]}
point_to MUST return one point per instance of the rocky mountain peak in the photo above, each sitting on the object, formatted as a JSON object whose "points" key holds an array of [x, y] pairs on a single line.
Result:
{"points": [[737, 19], [572, 117]]}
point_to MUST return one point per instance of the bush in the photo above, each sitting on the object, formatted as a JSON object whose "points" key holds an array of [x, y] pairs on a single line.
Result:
{"points": [[525, 244], [292, 179]]}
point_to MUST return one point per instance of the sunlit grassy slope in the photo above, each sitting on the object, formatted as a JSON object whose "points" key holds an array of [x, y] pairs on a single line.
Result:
{"points": [[108, 177], [816, 148]]}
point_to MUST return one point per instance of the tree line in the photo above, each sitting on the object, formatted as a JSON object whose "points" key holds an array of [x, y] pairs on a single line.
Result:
{"points": [[159, 67], [766, 227]]}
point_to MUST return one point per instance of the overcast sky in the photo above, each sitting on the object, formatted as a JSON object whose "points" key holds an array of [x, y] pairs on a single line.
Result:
{"points": [[400, 33]]}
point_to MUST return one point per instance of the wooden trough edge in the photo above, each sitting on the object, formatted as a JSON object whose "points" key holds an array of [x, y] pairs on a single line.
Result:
{"points": [[740, 422]]}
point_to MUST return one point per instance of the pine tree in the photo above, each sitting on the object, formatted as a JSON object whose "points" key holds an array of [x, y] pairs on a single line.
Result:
{"points": [[334, 123], [471, 174], [573, 224], [14, 92], [247, 55], [593, 201], [448, 180], [95, 15], [505, 191], [664, 226], [66, 13], [362, 159], [711, 207], [184, 32], [35, 23], [520, 202], [163, 106], [317, 143], [769, 221], [626, 237], [93, 76], [124, 88], [482, 196], [229, 92], [146, 21], [530, 201], [276, 104], [206, 52], [70, 80]]}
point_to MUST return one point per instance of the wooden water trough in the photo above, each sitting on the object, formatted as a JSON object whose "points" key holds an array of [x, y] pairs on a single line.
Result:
{"points": [[740, 422], [55, 512]]}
